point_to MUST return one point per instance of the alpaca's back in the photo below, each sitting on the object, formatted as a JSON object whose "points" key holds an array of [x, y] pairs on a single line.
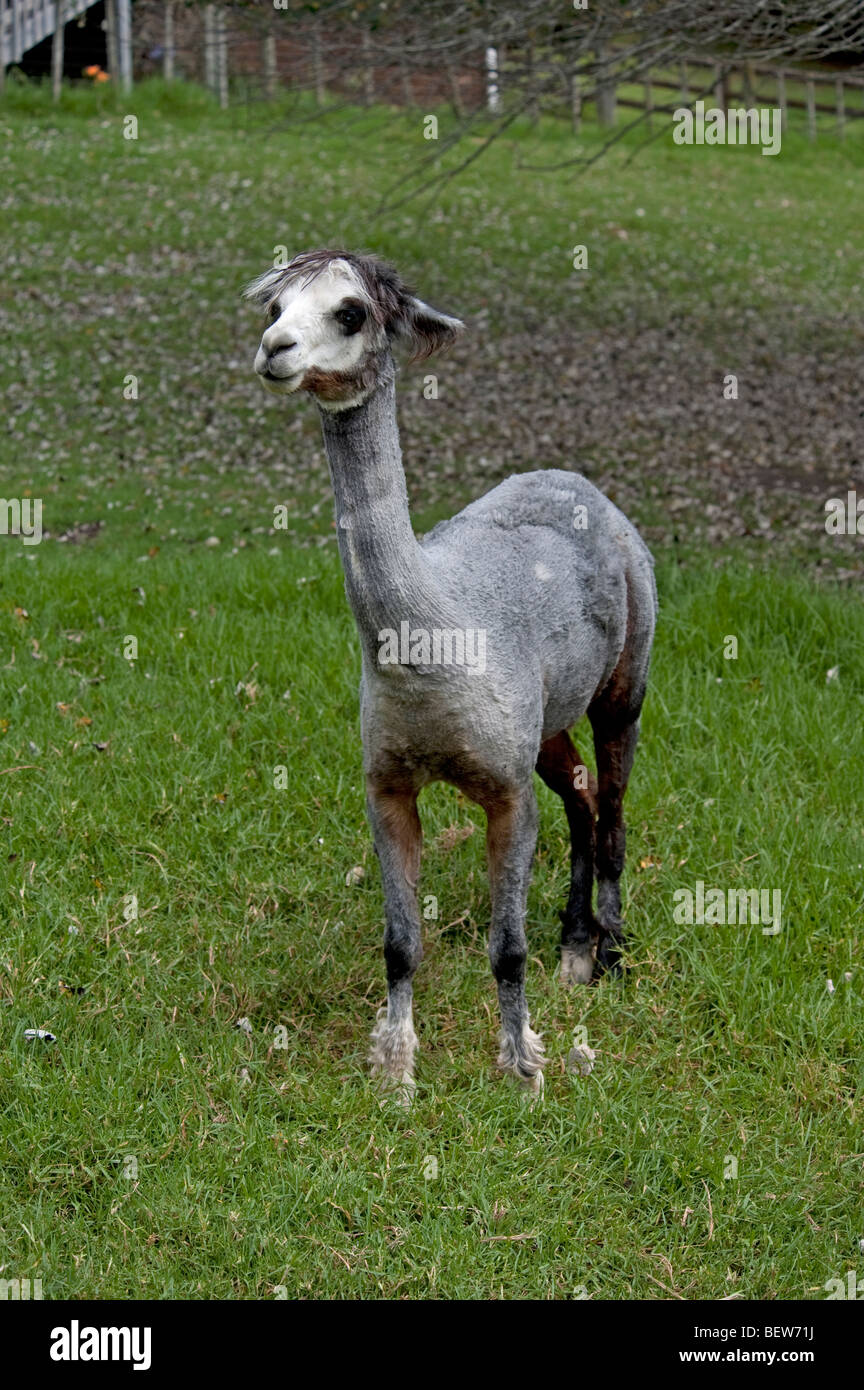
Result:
{"points": [[557, 575]]}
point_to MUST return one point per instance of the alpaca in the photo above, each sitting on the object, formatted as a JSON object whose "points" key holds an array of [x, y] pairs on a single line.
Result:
{"points": [[545, 569]]}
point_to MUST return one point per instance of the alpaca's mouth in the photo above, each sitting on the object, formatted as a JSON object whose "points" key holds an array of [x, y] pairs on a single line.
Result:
{"points": [[281, 383]]}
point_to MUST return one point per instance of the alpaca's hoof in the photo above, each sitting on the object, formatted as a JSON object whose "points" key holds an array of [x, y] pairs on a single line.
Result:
{"points": [[522, 1056], [392, 1058], [533, 1087], [608, 958], [395, 1090], [577, 964], [581, 1059]]}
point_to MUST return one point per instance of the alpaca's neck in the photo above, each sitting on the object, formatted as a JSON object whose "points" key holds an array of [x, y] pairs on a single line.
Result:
{"points": [[387, 576]]}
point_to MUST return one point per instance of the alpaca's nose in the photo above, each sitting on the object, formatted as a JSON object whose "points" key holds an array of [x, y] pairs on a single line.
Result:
{"points": [[283, 347], [278, 361]]}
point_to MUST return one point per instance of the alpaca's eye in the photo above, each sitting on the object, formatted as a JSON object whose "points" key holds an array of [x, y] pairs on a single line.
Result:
{"points": [[351, 317], [275, 311]]}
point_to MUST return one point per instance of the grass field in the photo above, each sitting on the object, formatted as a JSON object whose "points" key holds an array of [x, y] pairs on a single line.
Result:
{"points": [[161, 887]]}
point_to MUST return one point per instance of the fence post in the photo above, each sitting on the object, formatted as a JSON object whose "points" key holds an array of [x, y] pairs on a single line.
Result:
{"points": [[270, 67], [533, 111], [112, 58], [455, 94], [368, 70], [318, 65], [811, 108], [605, 88], [781, 99], [685, 86], [719, 87], [492, 98], [575, 102], [57, 50], [124, 44], [748, 79], [209, 65], [221, 58], [841, 108], [16, 31], [649, 105], [168, 44], [407, 87]]}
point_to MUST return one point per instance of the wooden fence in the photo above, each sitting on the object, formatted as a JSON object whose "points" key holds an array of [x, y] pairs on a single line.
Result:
{"points": [[241, 54], [740, 87]]}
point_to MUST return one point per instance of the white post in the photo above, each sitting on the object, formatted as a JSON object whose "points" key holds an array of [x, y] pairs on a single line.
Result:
{"points": [[492, 93], [124, 43]]}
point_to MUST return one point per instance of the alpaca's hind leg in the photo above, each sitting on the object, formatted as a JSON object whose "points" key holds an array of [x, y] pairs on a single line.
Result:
{"points": [[397, 834], [614, 717], [562, 769], [616, 734], [511, 837]]}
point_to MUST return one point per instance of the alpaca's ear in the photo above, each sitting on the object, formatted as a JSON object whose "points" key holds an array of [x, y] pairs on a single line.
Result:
{"points": [[262, 289], [424, 330]]}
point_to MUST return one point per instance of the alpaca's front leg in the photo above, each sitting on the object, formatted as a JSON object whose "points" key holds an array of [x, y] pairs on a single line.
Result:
{"points": [[398, 836], [511, 837]]}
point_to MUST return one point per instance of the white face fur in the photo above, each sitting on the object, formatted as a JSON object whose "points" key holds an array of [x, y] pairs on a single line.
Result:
{"points": [[323, 336], [321, 325]]}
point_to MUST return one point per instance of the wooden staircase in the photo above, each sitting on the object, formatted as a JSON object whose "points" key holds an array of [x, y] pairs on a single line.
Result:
{"points": [[24, 23]]}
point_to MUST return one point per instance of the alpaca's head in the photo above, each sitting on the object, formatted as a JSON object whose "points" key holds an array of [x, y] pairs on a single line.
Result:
{"points": [[331, 318]]}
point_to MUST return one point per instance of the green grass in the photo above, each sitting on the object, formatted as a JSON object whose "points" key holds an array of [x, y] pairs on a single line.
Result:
{"points": [[263, 1167], [260, 1166]]}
